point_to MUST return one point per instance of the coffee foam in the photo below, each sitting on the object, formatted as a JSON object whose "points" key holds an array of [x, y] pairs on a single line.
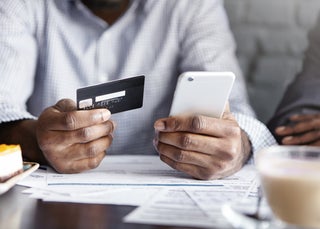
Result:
{"points": [[290, 168]]}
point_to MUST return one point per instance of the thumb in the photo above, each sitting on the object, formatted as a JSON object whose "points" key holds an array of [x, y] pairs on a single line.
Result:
{"points": [[227, 113]]}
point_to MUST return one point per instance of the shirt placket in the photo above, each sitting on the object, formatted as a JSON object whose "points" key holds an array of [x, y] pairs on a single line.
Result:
{"points": [[105, 61]]}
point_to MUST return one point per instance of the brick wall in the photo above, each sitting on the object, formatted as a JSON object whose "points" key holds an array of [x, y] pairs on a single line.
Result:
{"points": [[271, 36]]}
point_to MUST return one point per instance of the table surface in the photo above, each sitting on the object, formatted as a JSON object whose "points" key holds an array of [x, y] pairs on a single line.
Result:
{"points": [[17, 211]]}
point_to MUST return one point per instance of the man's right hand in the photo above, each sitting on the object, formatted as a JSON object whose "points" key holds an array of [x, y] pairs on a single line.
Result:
{"points": [[71, 140]]}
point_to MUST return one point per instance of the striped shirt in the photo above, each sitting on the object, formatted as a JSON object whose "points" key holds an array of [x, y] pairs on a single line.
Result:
{"points": [[49, 48]]}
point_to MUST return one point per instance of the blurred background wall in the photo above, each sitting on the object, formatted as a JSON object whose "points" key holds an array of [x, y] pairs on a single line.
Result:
{"points": [[271, 36]]}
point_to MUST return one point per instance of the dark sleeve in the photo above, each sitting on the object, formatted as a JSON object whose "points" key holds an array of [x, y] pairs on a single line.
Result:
{"points": [[303, 95]]}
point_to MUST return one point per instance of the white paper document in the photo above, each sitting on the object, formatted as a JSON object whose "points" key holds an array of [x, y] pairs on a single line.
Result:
{"points": [[191, 206], [173, 206], [134, 196], [135, 171], [165, 196]]}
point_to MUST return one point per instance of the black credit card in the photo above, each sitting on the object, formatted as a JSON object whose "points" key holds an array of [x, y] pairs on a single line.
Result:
{"points": [[117, 96]]}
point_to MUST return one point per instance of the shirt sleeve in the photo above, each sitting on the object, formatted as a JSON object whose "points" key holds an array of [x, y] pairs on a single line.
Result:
{"points": [[18, 57], [208, 45], [258, 134]]}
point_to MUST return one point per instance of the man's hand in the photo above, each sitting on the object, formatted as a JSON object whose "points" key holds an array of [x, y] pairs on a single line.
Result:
{"points": [[304, 131], [73, 141], [203, 147]]}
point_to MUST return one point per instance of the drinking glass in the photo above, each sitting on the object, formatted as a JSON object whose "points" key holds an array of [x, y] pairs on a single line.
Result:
{"points": [[290, 180]]}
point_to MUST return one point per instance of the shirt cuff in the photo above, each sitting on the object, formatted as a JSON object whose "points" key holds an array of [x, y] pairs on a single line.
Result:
{"points": [[10, 113], [257, 132]]}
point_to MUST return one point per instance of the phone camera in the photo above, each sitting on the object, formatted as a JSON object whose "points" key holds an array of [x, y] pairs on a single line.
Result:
{"points": [[190, 79]]}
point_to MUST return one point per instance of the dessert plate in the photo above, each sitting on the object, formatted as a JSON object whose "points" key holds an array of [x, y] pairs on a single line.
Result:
{"points": [[28, 168]]}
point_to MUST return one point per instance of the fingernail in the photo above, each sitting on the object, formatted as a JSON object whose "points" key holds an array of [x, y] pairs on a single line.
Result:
{"points": [[295, 116], [103, 115], [280, 129], [106, 115], [108, 127], [159, 125], [287, 140]]}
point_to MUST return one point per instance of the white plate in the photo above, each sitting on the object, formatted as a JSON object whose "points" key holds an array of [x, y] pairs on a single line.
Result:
{"points": [[28, 168]]}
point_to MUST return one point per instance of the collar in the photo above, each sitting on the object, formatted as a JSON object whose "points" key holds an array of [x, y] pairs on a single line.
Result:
{"points": [[138, 5]]}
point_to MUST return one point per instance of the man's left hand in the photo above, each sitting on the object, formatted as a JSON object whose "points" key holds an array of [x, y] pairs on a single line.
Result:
{"points": [[304, 130]]}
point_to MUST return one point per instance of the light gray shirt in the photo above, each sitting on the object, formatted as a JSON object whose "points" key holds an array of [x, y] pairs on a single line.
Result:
{"points": [[49, 48]]}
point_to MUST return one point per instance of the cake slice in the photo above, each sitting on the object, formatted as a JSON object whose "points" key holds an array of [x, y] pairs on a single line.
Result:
{"points": [[11, 162]]}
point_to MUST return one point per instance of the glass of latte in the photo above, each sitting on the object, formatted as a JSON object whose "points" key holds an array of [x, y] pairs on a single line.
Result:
{"points": [[290, 180]]}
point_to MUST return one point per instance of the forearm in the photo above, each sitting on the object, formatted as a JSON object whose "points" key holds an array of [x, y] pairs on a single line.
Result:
{"points": [[24, 133]]}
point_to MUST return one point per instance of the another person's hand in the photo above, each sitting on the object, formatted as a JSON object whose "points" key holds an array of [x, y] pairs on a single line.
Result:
{"points": [[73, 141], [305, 130], [203, 147]]}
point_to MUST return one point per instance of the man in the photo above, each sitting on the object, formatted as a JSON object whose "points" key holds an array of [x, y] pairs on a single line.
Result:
{"points": [[50, 48], [297, 118]]}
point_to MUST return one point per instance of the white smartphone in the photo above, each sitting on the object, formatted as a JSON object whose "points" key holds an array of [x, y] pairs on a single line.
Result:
{"points": [[204, 93]]}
